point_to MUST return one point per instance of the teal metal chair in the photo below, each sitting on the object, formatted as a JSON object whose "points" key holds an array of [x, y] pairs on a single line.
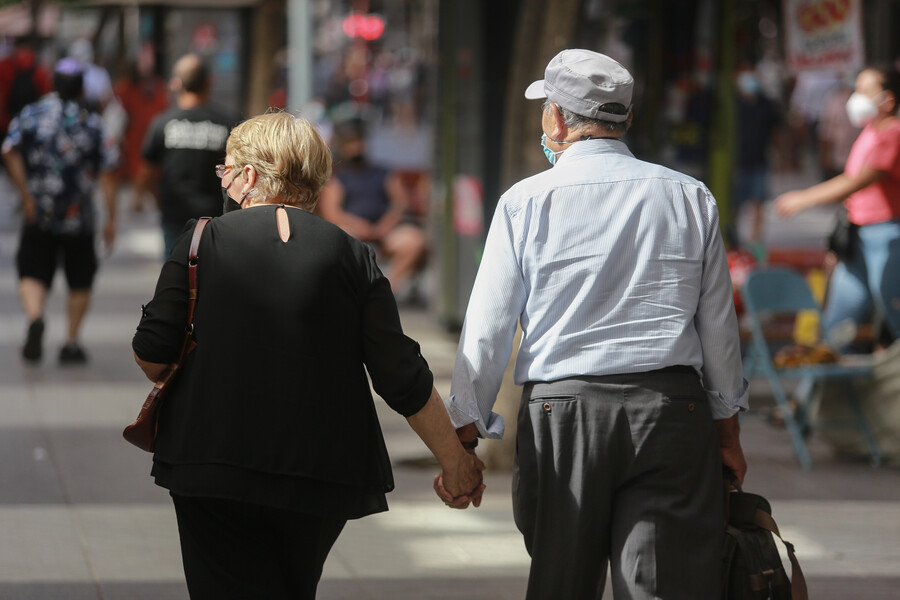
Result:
{"points": [[777, 292]]}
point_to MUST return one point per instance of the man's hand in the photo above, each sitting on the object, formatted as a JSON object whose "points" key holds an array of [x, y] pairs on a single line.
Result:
{"points": [[464, 476], [729, 431], [460, 470], [463, 484], [467, 435], [462, 501]]}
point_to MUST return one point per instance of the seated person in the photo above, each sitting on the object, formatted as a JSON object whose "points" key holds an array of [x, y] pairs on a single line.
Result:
{"points": [[370, 203]]}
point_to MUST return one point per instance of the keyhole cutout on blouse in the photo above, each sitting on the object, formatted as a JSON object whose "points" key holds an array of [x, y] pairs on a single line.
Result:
{"points": [[283, 224]]}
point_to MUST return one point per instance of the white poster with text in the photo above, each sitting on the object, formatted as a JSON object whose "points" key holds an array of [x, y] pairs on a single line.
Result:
{"points": [[823, 34]]}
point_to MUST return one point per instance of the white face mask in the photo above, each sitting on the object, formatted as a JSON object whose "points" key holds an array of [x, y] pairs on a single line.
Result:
{"points": [[861, 110]]}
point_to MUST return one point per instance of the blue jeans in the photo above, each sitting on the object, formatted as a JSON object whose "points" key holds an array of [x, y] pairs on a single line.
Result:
{"points": [[871, 276]]}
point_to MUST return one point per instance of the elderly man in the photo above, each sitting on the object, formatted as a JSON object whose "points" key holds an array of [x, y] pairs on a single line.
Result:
{"points": [[630, 356]]}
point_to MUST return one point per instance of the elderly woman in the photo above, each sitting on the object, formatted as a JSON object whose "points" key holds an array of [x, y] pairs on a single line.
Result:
{"points": [[269, 440]]}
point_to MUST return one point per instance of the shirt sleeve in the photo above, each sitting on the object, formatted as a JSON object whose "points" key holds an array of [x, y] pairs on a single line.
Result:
{"points": [[400, 375], [161, 330], [485, 345], [13, 139], [717, 327]]}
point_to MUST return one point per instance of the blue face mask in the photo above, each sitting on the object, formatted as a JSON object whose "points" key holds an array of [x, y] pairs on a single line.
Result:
{"points": [[550, 154]]}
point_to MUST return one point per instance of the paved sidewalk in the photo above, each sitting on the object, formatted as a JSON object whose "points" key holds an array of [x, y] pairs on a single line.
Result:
{"points": [[81, 519]]}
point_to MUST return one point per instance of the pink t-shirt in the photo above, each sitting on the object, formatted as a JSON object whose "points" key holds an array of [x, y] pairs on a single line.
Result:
{"points": [[880, 150]]}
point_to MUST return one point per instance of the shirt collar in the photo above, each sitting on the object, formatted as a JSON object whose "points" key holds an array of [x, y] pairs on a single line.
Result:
{"points": [[594, 146]]}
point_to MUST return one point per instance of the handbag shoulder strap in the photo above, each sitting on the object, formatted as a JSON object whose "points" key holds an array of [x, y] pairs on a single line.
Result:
{"points": [[193, 260], [764, 520], [799, 590]]}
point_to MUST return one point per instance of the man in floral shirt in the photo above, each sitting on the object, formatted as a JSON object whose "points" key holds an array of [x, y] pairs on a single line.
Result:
{"points": [[55, 154]]}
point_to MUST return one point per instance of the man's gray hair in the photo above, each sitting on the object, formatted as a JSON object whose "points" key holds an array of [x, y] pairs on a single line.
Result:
{"points": [[575, 121]]}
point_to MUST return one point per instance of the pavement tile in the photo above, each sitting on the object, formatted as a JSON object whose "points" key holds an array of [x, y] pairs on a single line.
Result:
{"points": [[63, 405], [854, 588], [81, 518], [455, 588], [51, 591], [97, 466], [130, 543], [27, 475], [41, 544], [138, 590]]}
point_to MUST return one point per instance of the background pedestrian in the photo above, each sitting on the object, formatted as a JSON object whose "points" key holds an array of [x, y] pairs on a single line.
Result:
{"points": [[55, 153]]}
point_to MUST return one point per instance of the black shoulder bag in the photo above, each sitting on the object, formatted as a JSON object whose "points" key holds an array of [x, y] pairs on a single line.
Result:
{"points": [[752, 568]]}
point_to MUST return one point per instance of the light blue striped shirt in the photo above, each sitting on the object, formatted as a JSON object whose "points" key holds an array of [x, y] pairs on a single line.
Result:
{"points": [[612, 265]]}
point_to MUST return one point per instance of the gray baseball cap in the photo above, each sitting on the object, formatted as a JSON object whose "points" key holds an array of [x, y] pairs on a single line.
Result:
{"points": [[583, 81]]}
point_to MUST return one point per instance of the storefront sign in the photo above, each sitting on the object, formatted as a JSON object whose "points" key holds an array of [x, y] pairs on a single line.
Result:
{"points": [[823, 34]]}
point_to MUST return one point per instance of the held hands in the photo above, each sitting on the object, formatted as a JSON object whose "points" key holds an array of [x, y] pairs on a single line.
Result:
{"points": [[463, 484]]}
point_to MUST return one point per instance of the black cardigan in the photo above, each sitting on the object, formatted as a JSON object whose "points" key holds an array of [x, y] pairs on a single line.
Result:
{"points": [[273, 406]]}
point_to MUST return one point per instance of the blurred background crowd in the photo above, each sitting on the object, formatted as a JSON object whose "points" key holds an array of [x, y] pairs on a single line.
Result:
{"points": [[740, 94]]}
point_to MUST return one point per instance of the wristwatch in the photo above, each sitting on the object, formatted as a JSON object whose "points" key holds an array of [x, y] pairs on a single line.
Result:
{"points": [[469, 445]]}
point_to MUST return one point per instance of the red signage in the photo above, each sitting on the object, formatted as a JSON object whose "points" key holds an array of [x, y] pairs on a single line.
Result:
{"points": [[362, 26]]}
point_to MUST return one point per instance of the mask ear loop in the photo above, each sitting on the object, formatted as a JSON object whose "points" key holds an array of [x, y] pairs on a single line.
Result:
{"points": [[243, 197]]}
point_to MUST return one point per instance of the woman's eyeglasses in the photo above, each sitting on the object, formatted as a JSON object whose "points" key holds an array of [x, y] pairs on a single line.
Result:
{"points": [[222, 169]]}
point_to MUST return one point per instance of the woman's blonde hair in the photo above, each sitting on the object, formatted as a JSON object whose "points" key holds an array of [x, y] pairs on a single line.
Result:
{"points": [[292, 160]]}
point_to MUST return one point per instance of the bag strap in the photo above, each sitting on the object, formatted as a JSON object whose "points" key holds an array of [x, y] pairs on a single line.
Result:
{"points": [[193, 258], [799, 591], [764, 520]]}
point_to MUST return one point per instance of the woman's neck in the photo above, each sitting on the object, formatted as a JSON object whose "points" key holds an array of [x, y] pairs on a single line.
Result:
{"points": [[269, 202]]}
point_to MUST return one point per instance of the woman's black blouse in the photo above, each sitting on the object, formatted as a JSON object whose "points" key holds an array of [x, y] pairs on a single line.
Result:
{"points": [[273, 406]]}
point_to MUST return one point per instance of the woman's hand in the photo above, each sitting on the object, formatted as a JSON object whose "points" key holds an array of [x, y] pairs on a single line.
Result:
{"points": [[789, 204], [462, 485], [460, 470]]}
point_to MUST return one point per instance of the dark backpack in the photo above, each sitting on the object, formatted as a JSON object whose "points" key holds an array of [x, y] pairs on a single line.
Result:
{"points": [[22, 91], [752, 568]]}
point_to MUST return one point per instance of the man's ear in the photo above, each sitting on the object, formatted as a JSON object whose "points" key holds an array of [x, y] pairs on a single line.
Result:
{"points": [[559, 124]]}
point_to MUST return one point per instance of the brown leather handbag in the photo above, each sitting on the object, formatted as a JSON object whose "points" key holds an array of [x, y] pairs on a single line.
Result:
{"points": [[142, 433]]}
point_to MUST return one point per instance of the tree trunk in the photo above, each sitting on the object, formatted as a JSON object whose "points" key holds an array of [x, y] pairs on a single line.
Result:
{"points": [[268, 39], [544, 29]]}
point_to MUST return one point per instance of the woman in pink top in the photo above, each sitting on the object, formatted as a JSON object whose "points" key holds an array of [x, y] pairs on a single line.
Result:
{"points": [[870, 190]]}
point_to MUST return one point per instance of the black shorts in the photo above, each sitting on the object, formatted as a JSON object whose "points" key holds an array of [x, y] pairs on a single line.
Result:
{"points": [[39, 250]]}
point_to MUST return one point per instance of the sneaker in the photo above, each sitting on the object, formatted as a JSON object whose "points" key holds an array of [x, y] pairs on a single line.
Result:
{"points": [[72, 354], [33, 348]]}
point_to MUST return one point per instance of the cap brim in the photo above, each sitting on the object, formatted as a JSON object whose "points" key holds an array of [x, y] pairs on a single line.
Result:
{"points": [[536, 90]]}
